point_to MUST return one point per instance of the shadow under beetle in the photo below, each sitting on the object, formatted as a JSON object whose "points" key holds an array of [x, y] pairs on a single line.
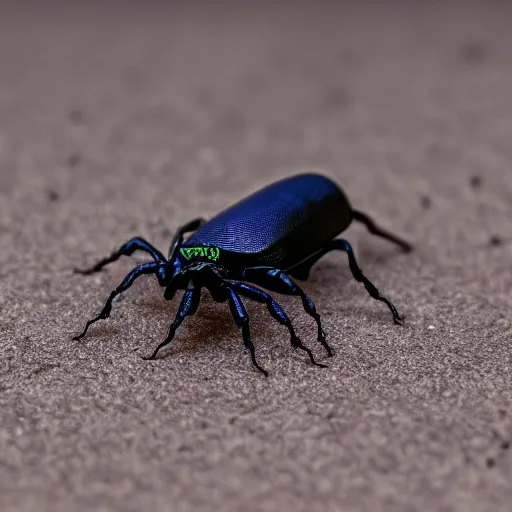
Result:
{"points": [[266, 239]]}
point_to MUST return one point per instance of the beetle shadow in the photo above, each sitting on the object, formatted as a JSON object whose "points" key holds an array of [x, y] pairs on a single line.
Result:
{"points": [[98, 333], [212, 323]]}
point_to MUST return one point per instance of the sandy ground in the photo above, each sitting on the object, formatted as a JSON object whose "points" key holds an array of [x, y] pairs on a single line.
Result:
{"points": [[118, 121]]}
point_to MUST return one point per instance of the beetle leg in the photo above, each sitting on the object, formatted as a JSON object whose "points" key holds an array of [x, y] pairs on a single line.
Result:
{"points": [[146, 268], [242, 321], [275, 310], [342, 245], [177, 239], [126, 249], [278, 281], [188, 306], [374, 229]]}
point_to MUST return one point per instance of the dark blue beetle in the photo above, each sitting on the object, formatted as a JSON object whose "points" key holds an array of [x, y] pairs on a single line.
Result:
{"points": [[271, 236]]}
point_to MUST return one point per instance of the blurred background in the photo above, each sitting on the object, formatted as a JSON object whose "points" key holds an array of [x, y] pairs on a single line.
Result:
{"points": [[95, 97]]}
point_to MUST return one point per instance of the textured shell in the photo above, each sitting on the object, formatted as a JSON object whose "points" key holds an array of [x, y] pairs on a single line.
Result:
{"points": [[281, 224]]}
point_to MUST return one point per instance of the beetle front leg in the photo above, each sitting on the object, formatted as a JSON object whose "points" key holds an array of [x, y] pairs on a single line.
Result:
{"points": [[127, 249], [146, 268], [278, 281], [188, 306], [242, 321], [276, 311]]}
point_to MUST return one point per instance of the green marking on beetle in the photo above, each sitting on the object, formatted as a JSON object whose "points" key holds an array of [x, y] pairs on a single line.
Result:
{"points": [[211, 253]]}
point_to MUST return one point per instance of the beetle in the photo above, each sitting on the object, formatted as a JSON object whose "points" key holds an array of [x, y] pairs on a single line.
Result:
{"points": [[265, 241]]}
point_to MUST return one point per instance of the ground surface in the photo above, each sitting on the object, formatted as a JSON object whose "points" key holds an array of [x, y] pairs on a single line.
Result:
{"points": [[117, 121]]}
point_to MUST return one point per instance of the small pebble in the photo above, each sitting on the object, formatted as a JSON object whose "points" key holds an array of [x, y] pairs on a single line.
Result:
{"points": [[475, 181], [494, 241], [426, 202], [76, 116], [52, 196], [73, 160], [474, 52]]}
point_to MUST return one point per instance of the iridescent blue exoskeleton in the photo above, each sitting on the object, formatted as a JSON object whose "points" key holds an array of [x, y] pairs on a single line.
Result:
{"points": [[267, 239]]}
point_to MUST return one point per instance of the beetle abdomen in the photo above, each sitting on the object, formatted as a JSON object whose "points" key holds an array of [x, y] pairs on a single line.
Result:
{"points": [[280, 224]]}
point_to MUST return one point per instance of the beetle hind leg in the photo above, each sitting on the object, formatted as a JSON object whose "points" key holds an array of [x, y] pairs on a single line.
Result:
{"points": [[375, 230], [342, 245]]}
